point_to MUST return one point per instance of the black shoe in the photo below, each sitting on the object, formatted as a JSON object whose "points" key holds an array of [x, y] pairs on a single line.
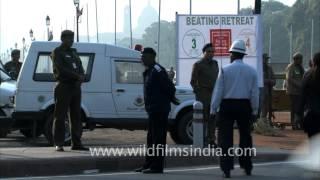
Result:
{"points": [[152, 171], [248, 172], [226, 174], [59, 148], [140, 169], [79, 148]]}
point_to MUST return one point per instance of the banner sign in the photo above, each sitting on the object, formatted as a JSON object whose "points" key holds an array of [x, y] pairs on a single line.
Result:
{"points": [[194, 31]]}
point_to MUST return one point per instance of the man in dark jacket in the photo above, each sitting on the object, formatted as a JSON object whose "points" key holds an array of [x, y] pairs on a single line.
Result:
{"points": [[69, 73], [13, 67], [159, 91]]}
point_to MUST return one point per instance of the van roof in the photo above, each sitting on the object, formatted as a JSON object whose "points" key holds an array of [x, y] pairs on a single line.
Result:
{"points": [[108, 49]]}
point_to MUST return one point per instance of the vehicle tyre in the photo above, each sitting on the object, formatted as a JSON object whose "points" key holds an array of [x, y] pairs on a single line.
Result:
{"points": [[174, 135], [185, 128], [48, 131], [3, 133]]}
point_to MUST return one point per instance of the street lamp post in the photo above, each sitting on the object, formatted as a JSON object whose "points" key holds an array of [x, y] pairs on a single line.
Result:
{"points": [[31, 35], [23, 47], [48, 24], [78, 14]]}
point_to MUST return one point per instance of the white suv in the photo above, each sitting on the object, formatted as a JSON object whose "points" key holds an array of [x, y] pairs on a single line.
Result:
{"points": [[7, 91], [112, 95]]}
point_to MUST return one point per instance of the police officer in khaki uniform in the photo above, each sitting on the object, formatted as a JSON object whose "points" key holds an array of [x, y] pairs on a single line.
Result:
{"points": [[69, 73], [204, 75], [13, 67], [269, 82], [294, 75]]}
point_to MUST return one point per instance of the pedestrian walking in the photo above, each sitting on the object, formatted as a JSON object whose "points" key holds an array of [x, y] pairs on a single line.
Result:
{"points": [[269, 81], [69, 73], [159, 91], [203, 79], [310, 98], [235, 98], [294, 75]]}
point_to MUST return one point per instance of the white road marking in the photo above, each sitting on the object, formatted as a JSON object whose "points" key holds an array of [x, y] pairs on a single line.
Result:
{"points": [[168, 170]]}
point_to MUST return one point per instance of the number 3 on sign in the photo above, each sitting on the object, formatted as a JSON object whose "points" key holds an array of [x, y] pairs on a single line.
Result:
{"points": [[194, 43]]}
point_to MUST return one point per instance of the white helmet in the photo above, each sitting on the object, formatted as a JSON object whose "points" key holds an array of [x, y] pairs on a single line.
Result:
{"points": [[238, 46]]}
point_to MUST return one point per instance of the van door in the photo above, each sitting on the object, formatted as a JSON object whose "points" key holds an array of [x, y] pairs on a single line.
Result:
{"points": [[127, 88]]}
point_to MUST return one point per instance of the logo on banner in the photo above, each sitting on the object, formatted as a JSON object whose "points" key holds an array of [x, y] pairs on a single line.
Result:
{"points": [[221, 40], [192, 43], [249, 37]]}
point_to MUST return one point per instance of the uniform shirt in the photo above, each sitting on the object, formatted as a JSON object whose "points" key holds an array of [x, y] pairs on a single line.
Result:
{"points": [[158, 89], [13, 68], [268, 79], [204, 74], [294, 75], [236, 81], [67, 66]]}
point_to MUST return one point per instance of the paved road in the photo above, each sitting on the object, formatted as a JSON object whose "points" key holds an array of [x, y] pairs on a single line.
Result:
{"points": [[99, 137], [262, 171]]}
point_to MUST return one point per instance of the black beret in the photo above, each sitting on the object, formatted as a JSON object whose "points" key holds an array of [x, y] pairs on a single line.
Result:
{"points": [[15, 51], [206, 46], [67, 33], [149, 50]]}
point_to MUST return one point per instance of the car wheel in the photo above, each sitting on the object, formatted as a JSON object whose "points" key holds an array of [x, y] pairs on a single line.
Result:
{"points": [[185, 128], [48, 131], [174, 135]]}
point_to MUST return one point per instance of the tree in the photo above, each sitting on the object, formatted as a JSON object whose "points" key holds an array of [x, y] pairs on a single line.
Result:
{"points": [[167, 41]]}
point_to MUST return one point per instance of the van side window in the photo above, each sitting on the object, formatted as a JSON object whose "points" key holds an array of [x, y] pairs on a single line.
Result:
{"points": [[129, 72], [44, 71]]}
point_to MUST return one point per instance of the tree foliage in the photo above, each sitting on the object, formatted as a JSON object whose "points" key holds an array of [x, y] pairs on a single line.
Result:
{"points": [[275, 16]]}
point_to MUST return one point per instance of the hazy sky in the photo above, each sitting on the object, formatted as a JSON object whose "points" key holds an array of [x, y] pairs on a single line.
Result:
{"points": [[17, 17]]}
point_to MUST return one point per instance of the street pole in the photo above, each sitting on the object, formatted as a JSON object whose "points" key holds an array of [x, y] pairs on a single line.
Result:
{"points": [[77, 25], [88, 37], [48, 24], [97, 21], [312, 36], [270, 40], [159, 31], [0, 25], [115, 22], [190, 7], [130, 24], [291, 36], [23, 42], [238, 10]]}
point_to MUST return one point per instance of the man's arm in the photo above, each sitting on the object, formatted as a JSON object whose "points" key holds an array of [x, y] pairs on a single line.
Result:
{"points": [[65, 72], [166, 85], [217, 94], [194, 77], [291, 80]]}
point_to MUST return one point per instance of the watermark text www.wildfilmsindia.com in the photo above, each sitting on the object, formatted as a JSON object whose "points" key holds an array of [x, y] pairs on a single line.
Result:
{"points": [[161, 150]]}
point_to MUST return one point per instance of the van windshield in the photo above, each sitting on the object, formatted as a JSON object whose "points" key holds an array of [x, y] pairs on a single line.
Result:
{"points": [[4, 76]]}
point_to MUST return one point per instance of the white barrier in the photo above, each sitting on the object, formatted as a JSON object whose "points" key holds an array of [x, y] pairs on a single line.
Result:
{"points": [[198, 124]]}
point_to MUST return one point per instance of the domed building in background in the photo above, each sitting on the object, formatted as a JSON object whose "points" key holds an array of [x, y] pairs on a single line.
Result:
{"points": [[148, 16]]}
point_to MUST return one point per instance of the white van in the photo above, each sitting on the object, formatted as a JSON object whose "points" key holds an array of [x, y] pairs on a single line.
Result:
{"points": [[7, 92], [112, 94]]}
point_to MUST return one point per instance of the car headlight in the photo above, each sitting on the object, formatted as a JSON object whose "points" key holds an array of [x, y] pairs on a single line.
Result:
{"points": [[11, 98]]}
